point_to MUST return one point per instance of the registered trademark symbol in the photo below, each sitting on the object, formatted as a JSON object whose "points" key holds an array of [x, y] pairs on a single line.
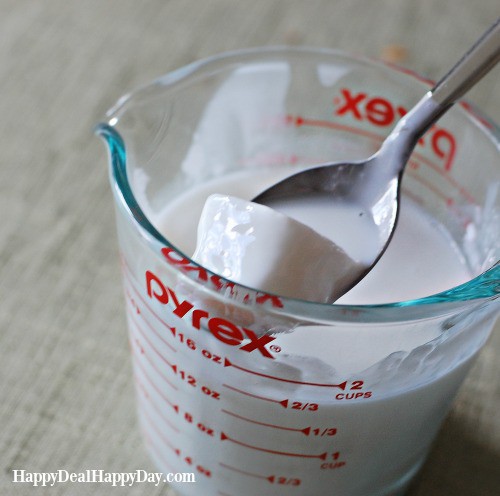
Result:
{"points": [[275, 348]]}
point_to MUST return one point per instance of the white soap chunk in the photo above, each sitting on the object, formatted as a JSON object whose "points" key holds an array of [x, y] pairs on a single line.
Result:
{"points": [[259, 247]]}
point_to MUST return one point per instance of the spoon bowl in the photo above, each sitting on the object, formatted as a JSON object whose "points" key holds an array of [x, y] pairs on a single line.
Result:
{"points": [[373, 185]]}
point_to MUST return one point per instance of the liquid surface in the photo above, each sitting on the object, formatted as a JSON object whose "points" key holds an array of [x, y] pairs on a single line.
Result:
{"points": [[344, 409], [260, 247], [422, 259], [345, 224]]}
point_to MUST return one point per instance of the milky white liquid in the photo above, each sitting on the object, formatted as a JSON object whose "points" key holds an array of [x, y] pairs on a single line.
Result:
{"points": [[369, 445], [260, 247], [422, 258]]}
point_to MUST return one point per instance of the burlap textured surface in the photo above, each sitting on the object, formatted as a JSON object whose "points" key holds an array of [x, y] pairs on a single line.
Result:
{"points": [[66, 393]]}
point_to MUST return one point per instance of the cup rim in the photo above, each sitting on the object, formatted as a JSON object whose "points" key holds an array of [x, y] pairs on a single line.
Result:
{"points": [[484, 287]]}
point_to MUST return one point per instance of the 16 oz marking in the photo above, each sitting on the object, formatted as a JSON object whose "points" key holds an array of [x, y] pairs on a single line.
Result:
{"points": [[191, 344]]}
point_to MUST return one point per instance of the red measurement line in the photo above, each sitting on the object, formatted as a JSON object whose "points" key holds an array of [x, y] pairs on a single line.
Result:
{"points": [[250, 394], [157, 452], [160, 337], [225, 437], [147, 396], [282, 379], [132, 283], [299, 121], [151, 345], [137, 357], [411, 73], [153, 365], [449, 178], [479, 118], [412, 195], [430, 186], [160, 434], [302, 121], [155, 408], [250, 474], [305, 431], [153, 385]]}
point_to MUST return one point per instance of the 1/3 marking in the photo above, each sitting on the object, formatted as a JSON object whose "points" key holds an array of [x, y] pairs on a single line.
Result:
{"points": [[328, 432]]}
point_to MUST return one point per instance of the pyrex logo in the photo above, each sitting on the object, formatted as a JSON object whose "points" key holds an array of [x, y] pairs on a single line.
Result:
{"points": [[184, 264], [382, 113], [222, 329]]}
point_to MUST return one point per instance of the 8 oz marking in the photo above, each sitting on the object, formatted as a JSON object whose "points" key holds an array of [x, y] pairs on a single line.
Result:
{"points": [[200, 426]]}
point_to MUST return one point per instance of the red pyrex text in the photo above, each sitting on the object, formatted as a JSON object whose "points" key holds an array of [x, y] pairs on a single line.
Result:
{"points": [[222, 329], [184, 264], [381, 112]]}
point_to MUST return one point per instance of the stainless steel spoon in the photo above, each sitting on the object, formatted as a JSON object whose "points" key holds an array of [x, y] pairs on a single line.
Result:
{"points": [[374, 184]]}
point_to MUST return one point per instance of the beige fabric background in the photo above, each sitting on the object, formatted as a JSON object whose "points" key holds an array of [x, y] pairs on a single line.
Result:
{"points": [[66, 395]]}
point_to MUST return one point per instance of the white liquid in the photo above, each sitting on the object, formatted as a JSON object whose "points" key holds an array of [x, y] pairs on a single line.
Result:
{"points": [[359, 446], [422, 259], [260, 247], [347, 225]]}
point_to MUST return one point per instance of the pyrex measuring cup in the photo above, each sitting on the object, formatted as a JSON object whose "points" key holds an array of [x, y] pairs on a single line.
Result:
{"points": [[254, 393]]}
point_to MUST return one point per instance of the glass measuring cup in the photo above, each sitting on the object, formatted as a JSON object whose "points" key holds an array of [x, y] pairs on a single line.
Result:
{"points": [[234, 384]]}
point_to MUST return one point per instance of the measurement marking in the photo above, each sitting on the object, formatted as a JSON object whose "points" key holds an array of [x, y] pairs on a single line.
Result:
{"points": [[225, 437], [342, 385], [162, 358], [448, 177], [157, 410], [127, 274], [154, 427], [153, 446], [430, 186], [252, 395], [412, 195], [153, 385], [133, 317], [137, 357], [398, 68], [300, 121], [250, 474], [472, 112], [305, 431]]}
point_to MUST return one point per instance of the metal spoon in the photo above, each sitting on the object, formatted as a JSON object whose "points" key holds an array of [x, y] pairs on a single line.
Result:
{"points": [[374, 184]]}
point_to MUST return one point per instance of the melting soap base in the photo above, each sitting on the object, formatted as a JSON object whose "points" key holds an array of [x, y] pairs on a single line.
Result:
{"points": [[260, 247], [422, 258]]}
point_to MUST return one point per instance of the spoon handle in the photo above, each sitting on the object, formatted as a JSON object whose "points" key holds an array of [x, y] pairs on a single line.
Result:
{"points": [[480, 59]]}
